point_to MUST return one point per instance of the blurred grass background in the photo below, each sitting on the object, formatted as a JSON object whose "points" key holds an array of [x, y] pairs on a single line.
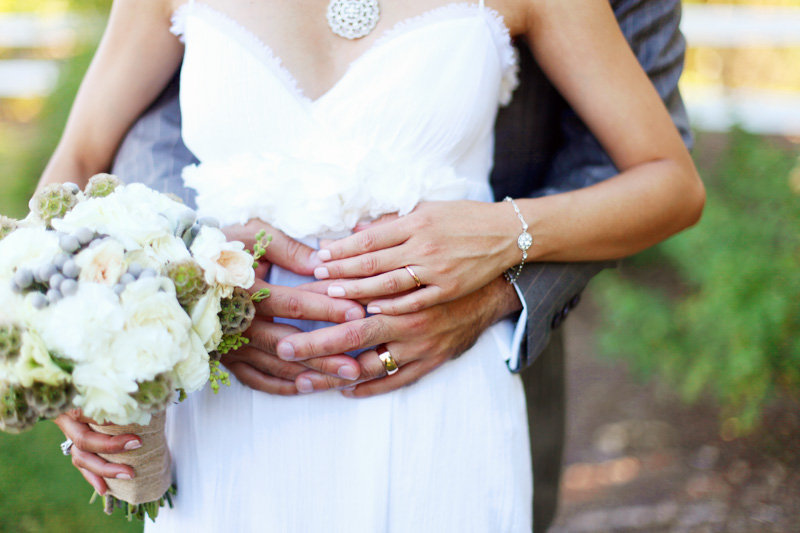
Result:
{"points": [[713, 311]]}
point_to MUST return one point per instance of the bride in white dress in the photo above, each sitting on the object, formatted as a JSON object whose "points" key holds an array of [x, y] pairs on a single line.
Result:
{"points": [[314, 133]]}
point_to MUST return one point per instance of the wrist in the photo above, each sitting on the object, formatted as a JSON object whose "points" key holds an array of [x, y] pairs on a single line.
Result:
{"points": [[519, 245]]}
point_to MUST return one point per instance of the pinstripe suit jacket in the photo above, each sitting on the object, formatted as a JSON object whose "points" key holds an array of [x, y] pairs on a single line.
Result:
{"points": [[541, 148]]}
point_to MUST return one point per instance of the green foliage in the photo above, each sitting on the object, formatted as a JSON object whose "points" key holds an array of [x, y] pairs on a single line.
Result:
{"points": [[733, 330]]}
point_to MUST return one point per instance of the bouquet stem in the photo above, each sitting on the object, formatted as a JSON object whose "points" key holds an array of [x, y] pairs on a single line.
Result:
{"points": [[151, 464]]}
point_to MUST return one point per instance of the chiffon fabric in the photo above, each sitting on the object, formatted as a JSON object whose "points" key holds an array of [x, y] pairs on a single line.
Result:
{"points": [[410, 120]]}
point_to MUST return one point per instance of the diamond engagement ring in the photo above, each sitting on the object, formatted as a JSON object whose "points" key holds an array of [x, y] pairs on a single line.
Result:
{"points": [[66, 447]]}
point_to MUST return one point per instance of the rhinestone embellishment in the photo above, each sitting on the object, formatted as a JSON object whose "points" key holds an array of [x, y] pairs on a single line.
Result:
{"points": [[525, 241], [353, 19]]}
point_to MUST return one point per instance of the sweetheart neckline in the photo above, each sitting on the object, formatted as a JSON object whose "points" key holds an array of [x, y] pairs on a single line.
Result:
{"points": [[427, 19]]}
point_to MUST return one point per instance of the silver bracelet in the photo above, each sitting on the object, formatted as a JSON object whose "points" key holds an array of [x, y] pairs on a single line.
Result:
{"points": [[524, 242]]}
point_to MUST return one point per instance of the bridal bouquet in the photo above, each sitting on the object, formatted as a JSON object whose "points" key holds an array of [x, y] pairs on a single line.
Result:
{"points": [[117, 300]]}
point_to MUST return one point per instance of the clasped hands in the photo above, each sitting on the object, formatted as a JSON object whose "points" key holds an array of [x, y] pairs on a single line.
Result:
{"points": [[462, 295]]}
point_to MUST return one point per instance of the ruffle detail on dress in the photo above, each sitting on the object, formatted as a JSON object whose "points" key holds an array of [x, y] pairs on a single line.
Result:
{"points": [[313, 199], [509, 59], [178, 27], [252, 43]]}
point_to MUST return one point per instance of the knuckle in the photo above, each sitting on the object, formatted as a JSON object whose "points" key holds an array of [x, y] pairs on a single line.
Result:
{"points": [[294, 250], [293, 307], [416, 323], [354, 336], [365, 240], [391, 285], [416, 306], [430, 248], [369, 265]]}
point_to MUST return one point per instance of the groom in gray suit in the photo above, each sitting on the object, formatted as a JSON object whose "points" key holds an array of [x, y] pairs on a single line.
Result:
{"points": [[541, 148]]}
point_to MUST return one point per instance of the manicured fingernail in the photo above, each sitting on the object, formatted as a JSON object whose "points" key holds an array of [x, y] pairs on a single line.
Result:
{"points": [[321, 273], [335, 291], [286, 351], [324, 255], [350, 388], [374, 310], [353, 314], [133, 445], [304, 385], [314, 260], [348, 372], [123, 476]]}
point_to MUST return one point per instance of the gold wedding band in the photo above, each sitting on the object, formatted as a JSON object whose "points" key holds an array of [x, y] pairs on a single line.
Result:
{"points": [[386, 358], [414, 275]]}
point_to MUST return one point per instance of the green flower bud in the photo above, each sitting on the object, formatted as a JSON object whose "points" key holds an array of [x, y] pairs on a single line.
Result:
{"points": [[189, 280], [7, 225], [10, 342], [154, 396], [237, 312], [102, 185], [54, 201], [50, 401], [16, 415]]}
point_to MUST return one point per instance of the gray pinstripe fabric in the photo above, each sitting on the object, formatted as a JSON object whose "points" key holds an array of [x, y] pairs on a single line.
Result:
{"points": [[541, 148]]}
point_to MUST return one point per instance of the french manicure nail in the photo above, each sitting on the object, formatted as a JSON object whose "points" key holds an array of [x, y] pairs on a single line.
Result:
{"points": [[133, 445], [350, 388], [304, 385], [335, 291], [347, 372], [324, 255], [353, 314], [286, 351], [123, 476], [321, 273], [374, 310]]}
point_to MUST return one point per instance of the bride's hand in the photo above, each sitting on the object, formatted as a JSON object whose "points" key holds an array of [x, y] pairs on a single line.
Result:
{"points": [[87, 444], [454, 248]]}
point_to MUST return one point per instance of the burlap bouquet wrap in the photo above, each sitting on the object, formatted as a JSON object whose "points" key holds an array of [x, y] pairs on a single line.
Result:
{"points": [[151, 462]]}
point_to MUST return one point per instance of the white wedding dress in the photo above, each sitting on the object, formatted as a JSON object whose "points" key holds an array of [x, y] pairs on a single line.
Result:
{"points": [[412, 119]]}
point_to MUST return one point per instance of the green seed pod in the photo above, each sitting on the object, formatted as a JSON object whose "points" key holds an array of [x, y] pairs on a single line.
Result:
{"points": [[54, 201], [7, 225], [156, 395], [50, 401], [237, 313], [16, 415], [10, 342], [101, 185], [189, 280]]}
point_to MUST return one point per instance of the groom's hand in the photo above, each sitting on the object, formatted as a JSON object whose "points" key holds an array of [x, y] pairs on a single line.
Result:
{"points": [[283, 251], [419, 342], [257, 364]]}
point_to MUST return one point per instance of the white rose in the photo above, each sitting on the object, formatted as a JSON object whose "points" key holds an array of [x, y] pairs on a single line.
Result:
{"points": [[103, 264], [224, 262], [193, 372], [82, 327], [134, 215], [156, 334], [29, 248], [205, 319], [35, 364], [105, 395]]}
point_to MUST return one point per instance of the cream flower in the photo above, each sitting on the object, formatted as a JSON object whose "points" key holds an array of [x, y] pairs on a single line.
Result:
{"points": [[155, 336], [29, 248], [205, 319], [134, 215], [105, 395], [35, 364], [82, 327], [193, 372], [225, 263], [103, 264]]}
